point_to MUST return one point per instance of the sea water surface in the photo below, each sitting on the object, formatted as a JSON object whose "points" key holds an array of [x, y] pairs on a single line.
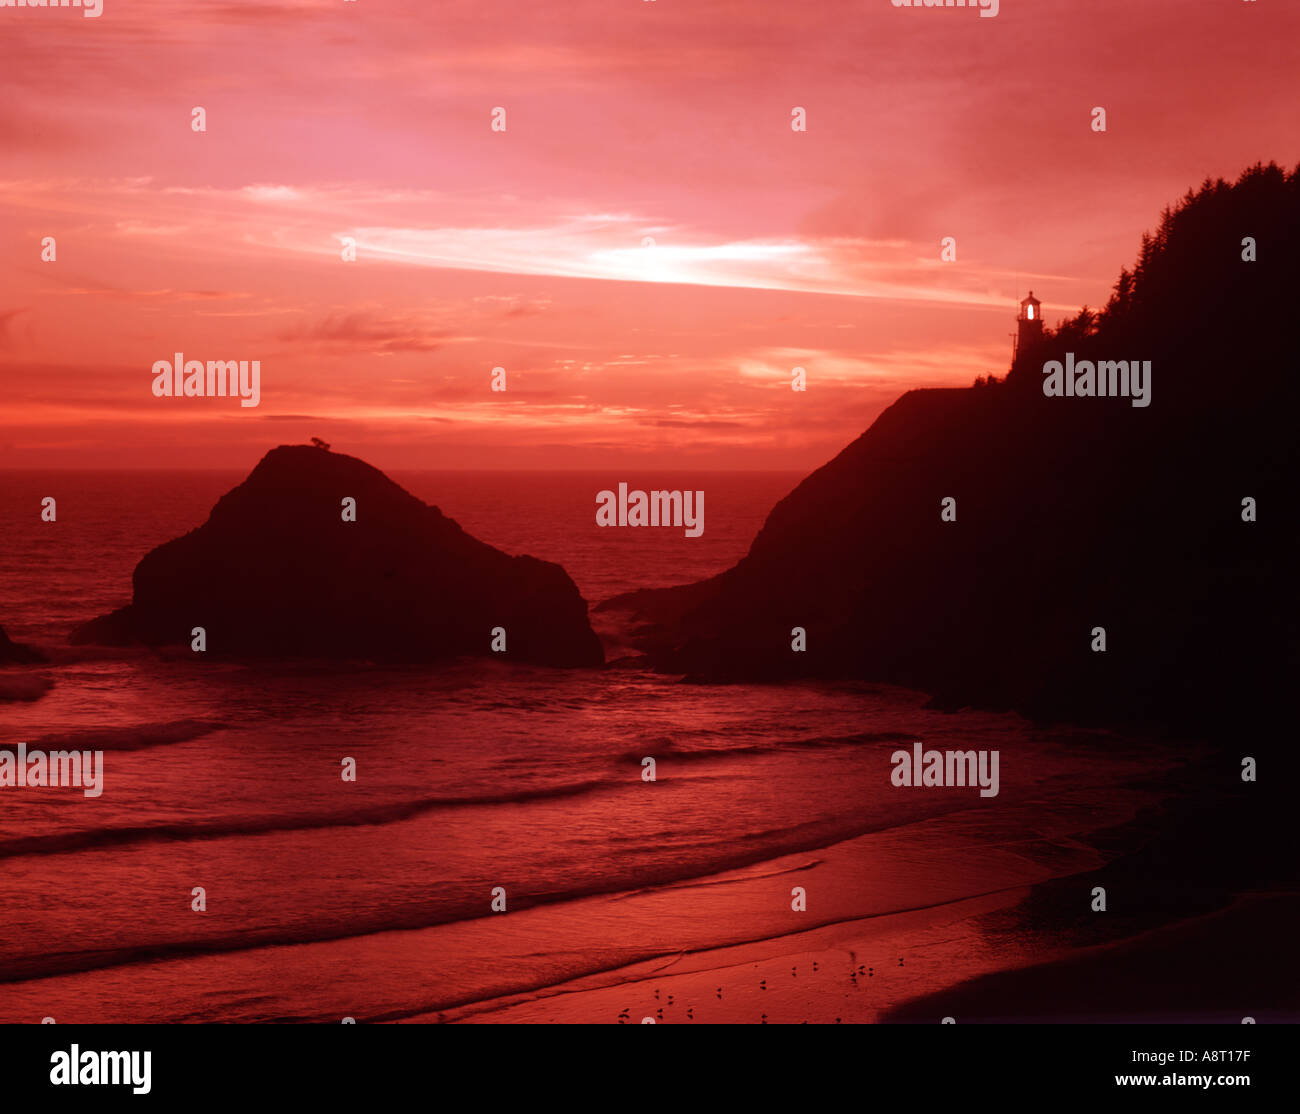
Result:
{"points": [[374, 898]]}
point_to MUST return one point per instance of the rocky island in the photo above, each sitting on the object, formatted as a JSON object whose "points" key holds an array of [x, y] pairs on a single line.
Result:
{"points": [[319, 555]]}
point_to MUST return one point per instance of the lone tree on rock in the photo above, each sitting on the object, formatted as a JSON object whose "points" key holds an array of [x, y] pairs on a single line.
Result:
{"points": [[320, 444]]}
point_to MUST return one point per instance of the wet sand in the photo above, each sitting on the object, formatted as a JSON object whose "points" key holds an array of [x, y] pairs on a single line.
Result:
{"points": [[1218, 968]]}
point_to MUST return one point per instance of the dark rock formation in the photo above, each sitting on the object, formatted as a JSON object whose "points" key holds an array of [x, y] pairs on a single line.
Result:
{"points": [[276, 572], [15, 653], [1072, 514]]}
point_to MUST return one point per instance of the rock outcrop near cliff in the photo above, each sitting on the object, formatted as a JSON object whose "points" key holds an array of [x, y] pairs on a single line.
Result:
{"points": [[277, 571], [16, 653]]}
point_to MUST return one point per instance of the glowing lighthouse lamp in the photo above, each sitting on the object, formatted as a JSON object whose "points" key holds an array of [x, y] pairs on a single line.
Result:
{"points": [[1030, 323]]}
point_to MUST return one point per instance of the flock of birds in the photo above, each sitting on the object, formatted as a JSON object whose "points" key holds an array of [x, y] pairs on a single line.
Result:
{"points": [[855, 973]]}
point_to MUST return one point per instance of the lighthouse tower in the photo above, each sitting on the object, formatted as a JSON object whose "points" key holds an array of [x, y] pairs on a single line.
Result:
{"points": [[1030, 324]]}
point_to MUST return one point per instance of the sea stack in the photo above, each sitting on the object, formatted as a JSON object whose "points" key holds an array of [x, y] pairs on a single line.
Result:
{"points": [[319, 555]]}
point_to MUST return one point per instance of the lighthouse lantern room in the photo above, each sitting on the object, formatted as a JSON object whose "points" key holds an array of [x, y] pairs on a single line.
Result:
{"points": [[1030, 323]]}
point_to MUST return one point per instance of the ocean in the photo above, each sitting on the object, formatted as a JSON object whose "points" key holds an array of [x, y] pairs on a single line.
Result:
{"points": [[374, 898]]}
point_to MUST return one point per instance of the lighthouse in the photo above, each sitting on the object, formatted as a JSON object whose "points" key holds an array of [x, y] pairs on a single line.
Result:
{"points": [[1030, 324]]}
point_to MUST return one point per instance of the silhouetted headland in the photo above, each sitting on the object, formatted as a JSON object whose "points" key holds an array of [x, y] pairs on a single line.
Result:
{"points": [[1071, 513], [277, 571]]}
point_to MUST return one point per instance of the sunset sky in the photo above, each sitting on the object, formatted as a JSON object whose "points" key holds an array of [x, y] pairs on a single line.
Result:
{"points": [[626, 119]]}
